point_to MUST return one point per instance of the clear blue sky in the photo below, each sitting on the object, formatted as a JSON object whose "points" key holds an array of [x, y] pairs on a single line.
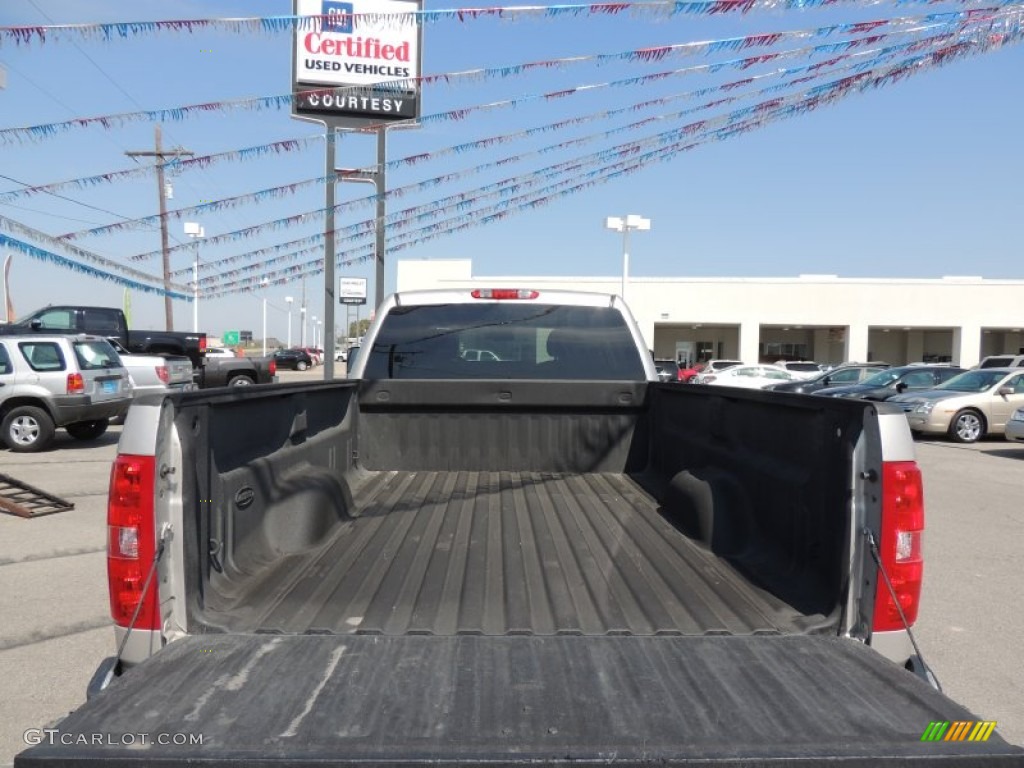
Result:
{"points": [[918, 179]]}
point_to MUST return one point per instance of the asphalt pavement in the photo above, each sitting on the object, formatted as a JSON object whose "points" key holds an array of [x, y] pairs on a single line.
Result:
{"points": [[54, 625]]}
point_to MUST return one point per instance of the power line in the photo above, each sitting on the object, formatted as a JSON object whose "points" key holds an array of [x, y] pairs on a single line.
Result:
{"points": [[46, 213], [69, 199]]}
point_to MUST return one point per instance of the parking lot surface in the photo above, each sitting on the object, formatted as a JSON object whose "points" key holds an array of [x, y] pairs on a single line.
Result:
{"points": [[55, 626]]}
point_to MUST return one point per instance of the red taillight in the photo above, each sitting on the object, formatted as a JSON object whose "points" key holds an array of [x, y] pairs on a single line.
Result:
{"points": [[202, 344], [900, 544], [272, 367], [504, 293], [163, 374], [76, 384], [131, 541]]}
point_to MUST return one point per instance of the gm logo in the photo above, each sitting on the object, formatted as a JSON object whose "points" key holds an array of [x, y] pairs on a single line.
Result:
{"points": [[961, 730], [338, 17]]}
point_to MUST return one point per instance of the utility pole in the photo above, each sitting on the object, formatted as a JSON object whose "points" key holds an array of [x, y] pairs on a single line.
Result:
{"points": [[161, 192]]}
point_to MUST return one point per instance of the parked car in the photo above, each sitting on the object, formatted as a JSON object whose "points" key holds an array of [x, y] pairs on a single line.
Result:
{"points": [[843, 374], [476, 355], [1015, 426], [894, 381], [110, 323], [46, 382], [238, 371], [1002, 361], [802, 369], [314, 354], [154, 374], [340, 356], [687, 375], [749, 376], [976, 403], [151, 374], [293, 359], [712, 367], [668, 370], [220, 352]]}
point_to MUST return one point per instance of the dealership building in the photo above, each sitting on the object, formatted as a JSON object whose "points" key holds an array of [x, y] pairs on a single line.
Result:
{"points": [[813, 317]]}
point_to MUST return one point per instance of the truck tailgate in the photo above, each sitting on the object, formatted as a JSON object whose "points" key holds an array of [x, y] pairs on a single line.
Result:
{"points": [[464, 700]]}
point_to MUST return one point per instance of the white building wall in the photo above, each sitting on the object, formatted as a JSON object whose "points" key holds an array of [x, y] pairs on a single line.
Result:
{"points": [[963, 305]]}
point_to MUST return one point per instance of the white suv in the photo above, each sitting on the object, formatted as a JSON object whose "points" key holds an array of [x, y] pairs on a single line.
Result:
{"points": [[1002, 361], [712, 367], [46, 382]]}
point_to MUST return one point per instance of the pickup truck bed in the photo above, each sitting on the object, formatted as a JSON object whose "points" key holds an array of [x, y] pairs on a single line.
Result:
{"points": [[400, 507], [592, 550], [459, 701]]}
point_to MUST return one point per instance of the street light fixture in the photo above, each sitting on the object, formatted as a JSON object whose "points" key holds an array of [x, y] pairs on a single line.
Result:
{"points": [[625, 224], [195, 231], [288, 300]]}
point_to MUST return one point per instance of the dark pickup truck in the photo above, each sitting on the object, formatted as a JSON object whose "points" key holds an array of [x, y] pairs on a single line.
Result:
{"points": [[541, 557], [237, 371], [111, 323]]}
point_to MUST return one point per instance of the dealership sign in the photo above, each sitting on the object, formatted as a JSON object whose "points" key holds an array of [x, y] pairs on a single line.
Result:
{"points": [[352, 290], [356, 63]]}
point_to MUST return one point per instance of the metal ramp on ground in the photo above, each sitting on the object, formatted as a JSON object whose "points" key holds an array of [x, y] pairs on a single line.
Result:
{"points": [[25, 500]]}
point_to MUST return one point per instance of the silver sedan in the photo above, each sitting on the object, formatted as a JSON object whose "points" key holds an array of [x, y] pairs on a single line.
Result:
{"points": [[1015, 426], [967, 407]]}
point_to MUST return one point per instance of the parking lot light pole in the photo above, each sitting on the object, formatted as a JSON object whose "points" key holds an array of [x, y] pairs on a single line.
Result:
{"points": [[624, 224], [288, 300], [193, 230], [263, 284]]}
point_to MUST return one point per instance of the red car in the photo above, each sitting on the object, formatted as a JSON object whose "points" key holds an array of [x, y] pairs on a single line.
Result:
{"points": [[315, 354], [686, 374]]}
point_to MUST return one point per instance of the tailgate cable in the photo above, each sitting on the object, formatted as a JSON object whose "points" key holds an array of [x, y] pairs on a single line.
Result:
{"points": [[877, 556], [164, 535]]}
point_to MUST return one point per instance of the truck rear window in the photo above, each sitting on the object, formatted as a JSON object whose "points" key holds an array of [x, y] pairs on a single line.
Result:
{"points": [[504, 341]]}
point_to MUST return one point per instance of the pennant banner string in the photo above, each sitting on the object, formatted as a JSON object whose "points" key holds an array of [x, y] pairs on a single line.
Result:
{"points": [[278, 24], [176, 165], [400, 219], [458, 149], [290, 145], [643, 55], [292, 188], [816, 97], [742, 120], [314, 215], [24, 230], [50, 257]]}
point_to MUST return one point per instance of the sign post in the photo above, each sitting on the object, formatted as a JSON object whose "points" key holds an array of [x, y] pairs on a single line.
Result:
{"points": [[354, 65]]}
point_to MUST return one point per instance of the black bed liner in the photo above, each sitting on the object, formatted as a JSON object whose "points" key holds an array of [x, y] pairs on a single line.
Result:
{"points": [[463, 701], [505, 553]]}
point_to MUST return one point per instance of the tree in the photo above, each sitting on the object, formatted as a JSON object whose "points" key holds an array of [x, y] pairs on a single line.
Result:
{"points": [[358, 328]]}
